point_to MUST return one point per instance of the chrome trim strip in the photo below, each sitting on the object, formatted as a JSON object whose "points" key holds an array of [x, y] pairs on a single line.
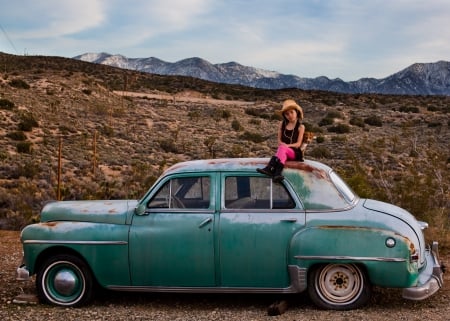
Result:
{"points": [[75, 242], [350, 258], [289, 289]]}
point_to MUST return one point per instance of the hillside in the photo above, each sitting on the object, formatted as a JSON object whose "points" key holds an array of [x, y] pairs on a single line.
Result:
{"points": [[119, 129], [417, 79]]}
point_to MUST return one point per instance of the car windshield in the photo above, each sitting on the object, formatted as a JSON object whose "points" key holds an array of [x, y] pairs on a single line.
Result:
{"points": [[319, 190]]}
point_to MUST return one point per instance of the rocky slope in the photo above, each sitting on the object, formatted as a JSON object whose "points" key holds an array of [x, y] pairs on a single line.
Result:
{"points": [[114, 144]]}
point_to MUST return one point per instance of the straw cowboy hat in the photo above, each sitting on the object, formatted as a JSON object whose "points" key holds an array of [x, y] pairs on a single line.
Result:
{"points": [[291, 104]]}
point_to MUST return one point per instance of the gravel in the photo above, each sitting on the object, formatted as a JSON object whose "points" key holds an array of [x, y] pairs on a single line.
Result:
{"points": [[386, 304]]}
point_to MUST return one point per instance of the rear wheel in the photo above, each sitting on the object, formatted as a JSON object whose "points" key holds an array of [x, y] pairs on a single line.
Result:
{"points": [[64, 280], [338, 286]]}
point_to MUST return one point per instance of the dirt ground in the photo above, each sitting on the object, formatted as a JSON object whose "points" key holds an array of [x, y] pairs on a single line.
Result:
{"points": [[386, 304]]}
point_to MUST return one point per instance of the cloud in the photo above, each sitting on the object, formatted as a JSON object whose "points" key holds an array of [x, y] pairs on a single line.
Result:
{"points": [[346, 38], [54, 18]]}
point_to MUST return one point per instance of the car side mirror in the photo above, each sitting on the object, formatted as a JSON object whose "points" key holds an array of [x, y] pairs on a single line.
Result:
{"points": [[140, 209]]}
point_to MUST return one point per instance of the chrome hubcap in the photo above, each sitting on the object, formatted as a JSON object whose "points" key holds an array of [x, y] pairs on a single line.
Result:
{"points": [[65, 282]]}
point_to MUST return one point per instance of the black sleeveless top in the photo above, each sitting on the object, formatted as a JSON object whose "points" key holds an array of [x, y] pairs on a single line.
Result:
{"points": [[290, 137]]}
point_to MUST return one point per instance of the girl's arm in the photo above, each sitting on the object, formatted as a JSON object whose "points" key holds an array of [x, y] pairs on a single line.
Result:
{"points": [[279, 134], [298, 143]]}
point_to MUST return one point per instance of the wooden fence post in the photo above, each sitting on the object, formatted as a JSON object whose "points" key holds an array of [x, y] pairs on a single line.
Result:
{"points": [[58, 192], [94, 159]]}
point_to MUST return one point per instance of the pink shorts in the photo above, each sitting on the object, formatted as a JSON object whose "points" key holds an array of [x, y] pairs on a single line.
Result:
{"points": [[285, 153]]}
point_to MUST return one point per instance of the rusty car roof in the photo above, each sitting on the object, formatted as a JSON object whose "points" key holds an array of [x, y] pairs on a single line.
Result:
{"points": [[240, 164]]}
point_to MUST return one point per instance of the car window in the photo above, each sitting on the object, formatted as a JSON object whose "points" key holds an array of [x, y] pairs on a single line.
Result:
{"points": [[243, 192], [316, 190], [183, 192], [343, 187]]}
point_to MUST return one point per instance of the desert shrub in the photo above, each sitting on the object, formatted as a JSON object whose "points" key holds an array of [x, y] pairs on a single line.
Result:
{"points": [[27, 169], [65, 130], [374, 121], [356, 121], [210, 142], [18, 204], [237, 151], [405, 109], [252, 112], [334, 114], [17, 135], [6, 104], [101, 110], [320, 139], [219, 114], [358, 180], [236, 125], [339, 139], [19, 83], [107, 131], [225, 114], [434, 124], [24, 147], [27, 122], [320, 152], [329, 101], [255, 121], [340, 129], [261, 113], [253, 137], [326, 121], [194, 114], [276, 116], [312, 128], [168, 146]]}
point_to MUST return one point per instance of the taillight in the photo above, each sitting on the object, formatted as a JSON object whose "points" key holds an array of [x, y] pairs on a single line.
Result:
{"points": [[414, 257]]}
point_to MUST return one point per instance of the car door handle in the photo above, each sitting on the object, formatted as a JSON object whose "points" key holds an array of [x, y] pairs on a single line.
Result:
{"points": [[205, 222], [292, 219]]}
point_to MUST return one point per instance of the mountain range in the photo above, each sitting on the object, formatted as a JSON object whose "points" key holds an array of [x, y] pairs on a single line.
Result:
{"points": [[417, 79]]}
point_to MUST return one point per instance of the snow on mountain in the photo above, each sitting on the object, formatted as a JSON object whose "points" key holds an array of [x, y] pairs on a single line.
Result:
{"points": [[417, 79]]}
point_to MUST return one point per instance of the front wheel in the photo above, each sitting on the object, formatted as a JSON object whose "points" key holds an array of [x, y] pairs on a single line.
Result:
{"points": [[338, 286], [64, 280]]}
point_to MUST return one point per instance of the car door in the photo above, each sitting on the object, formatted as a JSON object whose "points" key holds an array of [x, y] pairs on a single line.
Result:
{"points": [[172, 244], [257, 221]]}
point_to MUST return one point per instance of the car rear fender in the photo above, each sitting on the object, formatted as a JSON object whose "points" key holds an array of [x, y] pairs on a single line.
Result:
{"points": [[384, 254]]}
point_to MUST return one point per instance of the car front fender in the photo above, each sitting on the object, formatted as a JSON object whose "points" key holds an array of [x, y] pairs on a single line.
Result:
{"points": [[104, 247]]}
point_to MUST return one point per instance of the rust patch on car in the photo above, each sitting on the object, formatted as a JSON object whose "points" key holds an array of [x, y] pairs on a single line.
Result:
{"points": [[50, 224], [411, 246], [319, 173]]}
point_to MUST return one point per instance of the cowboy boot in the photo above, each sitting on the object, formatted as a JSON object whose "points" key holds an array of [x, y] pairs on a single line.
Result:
{"points": [[269, 170], [277, 177]]}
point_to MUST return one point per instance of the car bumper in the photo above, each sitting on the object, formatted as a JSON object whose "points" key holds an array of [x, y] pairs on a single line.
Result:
{"points": [[430, 279], [22, 273]]}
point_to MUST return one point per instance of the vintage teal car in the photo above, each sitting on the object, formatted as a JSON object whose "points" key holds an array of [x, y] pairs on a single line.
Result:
{"points": [[220, 226]]}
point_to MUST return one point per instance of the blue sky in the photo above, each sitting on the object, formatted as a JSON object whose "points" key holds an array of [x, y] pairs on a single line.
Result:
{"points": [[349, 39]]}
